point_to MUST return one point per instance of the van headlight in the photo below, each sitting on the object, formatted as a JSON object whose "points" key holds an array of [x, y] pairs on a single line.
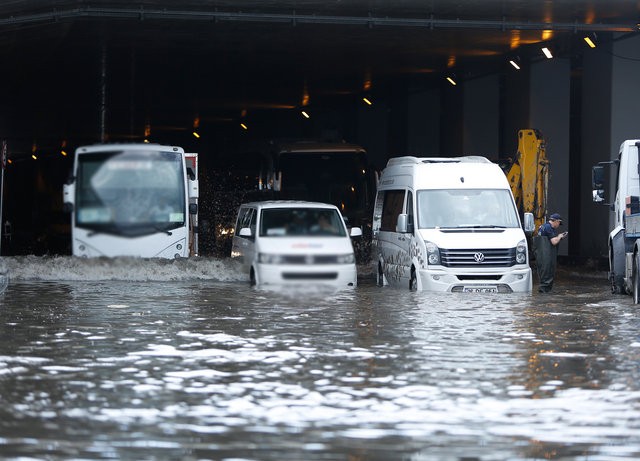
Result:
{"points": [[348, 258], [521, 252], [433, 253], [266, 258]]}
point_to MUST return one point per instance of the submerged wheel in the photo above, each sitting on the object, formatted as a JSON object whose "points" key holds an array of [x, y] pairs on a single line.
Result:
{"points": [[617, 280], [413, 280], [636, 278], [380, 279], [252, 278]]}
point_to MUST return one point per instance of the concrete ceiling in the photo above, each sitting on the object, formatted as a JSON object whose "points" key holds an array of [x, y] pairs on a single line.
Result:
{"points": [[165, 63]]}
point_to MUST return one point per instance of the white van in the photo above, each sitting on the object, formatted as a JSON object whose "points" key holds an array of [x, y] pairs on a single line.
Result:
{"points": [[449, 224], [294, 242]]}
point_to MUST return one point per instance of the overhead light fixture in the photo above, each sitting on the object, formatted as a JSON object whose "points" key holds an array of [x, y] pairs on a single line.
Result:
{"points": [[367, 101], [63, 153], [196, 135], [515, 62], [590, 40], [305, 114], [451, 80], [244, 126], [547, 52]]}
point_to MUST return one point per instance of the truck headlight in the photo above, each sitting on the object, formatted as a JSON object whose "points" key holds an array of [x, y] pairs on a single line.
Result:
{"points": [[433, 253], [521, 252]]}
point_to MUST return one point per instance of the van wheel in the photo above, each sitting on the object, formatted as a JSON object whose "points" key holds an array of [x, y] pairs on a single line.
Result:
{"points": [[413, 280], [252, 278]]}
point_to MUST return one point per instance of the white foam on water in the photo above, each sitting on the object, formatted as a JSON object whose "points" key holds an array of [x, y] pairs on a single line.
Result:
{"points": [[68, 268]]}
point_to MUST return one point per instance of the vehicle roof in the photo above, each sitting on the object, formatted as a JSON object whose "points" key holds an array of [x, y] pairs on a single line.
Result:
{"points": [[288, 204], [407, 160], [129, 146], [470, 173]]}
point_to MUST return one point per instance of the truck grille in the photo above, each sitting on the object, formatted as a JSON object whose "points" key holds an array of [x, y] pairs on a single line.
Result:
{"points": [[478, 258]]}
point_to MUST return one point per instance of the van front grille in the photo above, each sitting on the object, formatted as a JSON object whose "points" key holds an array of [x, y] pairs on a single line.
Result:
{"points": [[504, 257], [310, 259]]}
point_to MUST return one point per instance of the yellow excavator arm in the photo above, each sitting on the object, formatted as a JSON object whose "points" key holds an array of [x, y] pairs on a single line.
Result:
{"points": [[528, 175]]}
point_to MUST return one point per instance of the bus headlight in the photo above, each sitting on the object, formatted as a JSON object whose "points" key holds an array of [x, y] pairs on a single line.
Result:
{"points": [[433, 253], [521, 252]]}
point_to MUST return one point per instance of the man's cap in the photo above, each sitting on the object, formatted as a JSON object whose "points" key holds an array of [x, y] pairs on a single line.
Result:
{"points": [[556, 217]]}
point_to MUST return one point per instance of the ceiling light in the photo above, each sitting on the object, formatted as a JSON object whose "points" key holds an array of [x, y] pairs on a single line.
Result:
{"points": [[244, 127], [367, 101], [451, 80], [305, 114], [195, 134], [515, 64], [63, 153], [547, 52], [590, 40]]}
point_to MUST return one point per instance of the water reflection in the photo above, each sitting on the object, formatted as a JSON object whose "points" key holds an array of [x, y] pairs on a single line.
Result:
{"points": [[213, 369]]}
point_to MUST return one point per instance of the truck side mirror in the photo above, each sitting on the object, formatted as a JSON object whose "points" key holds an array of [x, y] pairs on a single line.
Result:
{"points": [[598, 184]]}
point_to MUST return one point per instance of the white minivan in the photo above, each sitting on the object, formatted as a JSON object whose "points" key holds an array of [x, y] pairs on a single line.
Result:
{"points": [[283, 242], [450, 225]]}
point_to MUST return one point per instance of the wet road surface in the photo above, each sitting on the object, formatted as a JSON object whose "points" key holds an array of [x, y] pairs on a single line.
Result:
{"points": [[155, 360]]}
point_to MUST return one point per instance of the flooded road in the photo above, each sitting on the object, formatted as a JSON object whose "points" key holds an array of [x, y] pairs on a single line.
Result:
{"points": [[183, 360]]}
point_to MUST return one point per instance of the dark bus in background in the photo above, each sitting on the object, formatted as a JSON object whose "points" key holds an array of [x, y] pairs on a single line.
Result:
{"points": [[335, 173]]}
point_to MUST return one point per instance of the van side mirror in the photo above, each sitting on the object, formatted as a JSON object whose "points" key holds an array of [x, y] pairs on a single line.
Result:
{"points": [[529, 223], [401, 223], [193, 208], [245, 232], [355, 232]]}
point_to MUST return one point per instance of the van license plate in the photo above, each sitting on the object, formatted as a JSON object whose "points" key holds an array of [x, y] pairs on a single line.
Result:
{"points": [[483, 289]]}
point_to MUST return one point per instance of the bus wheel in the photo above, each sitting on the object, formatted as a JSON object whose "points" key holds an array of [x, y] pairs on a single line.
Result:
{"points": [[636, 279], [413, 280]]}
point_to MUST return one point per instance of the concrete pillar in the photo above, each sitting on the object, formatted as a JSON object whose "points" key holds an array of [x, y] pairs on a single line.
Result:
{"points": [[549, 102], [610, 101], [481, 120]]}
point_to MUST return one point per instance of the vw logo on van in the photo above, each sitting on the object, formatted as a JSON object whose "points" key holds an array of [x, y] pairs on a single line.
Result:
{"points": [[479, 257]]}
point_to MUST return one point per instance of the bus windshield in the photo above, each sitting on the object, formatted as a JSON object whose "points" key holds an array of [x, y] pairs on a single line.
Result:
{"points": [[339, 178], [466, 208], [130, 192]]}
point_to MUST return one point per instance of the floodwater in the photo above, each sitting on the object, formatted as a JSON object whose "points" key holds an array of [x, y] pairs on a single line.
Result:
{"points": [[134, 359]]}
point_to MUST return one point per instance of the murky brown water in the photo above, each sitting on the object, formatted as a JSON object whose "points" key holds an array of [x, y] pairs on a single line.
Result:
{"points": [[155, 360]]}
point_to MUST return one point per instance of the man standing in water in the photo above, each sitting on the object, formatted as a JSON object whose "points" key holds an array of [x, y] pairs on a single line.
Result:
{"points": [[546, 251]]}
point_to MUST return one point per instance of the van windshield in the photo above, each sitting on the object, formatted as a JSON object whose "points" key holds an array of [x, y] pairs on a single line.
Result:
{"points": [[466, 208], [296, 222]]}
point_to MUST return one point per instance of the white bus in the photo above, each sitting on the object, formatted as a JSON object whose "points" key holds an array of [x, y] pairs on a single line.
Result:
{"points": [[133, 200]]}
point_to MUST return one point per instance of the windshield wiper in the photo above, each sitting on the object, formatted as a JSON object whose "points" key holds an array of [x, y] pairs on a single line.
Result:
{"points": [[481, 226]]}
